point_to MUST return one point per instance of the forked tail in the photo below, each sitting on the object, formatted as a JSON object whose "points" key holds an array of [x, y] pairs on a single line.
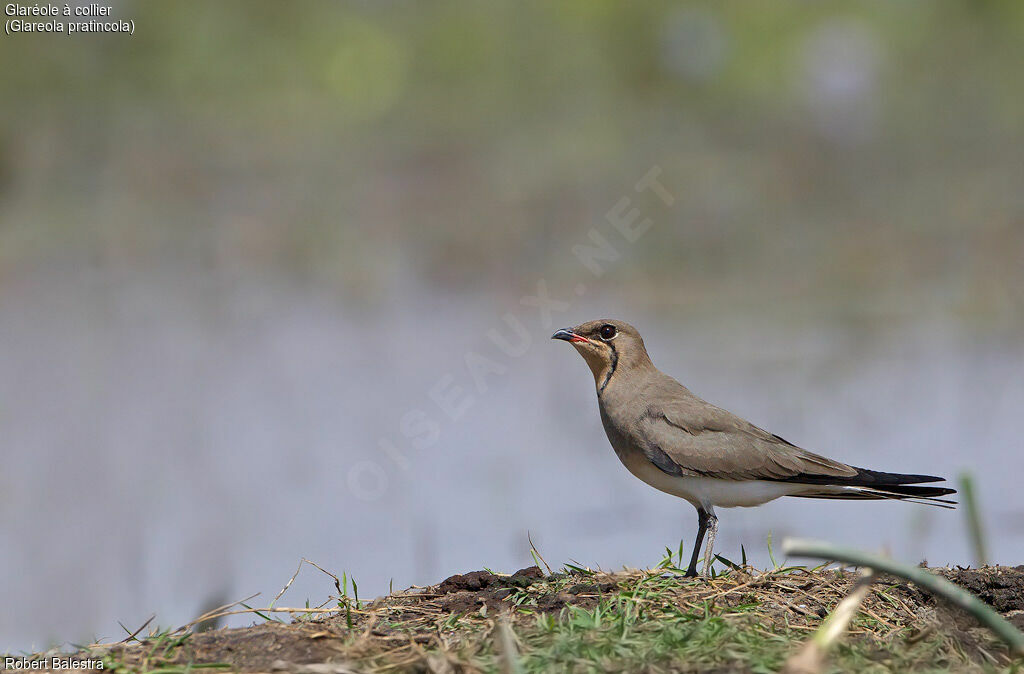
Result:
{"points": [[873, 485]]}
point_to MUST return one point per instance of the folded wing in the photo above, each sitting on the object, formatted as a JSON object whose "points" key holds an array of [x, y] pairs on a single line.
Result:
{"points": [[686, 436]]}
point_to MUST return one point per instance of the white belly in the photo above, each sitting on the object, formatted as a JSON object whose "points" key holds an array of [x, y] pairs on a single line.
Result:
{"points": [[710, 492]]}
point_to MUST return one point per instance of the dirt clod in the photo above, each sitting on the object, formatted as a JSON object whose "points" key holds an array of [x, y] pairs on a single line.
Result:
{"points": [[529, 573], [474, 581], [471, 582], [1000, 586]]}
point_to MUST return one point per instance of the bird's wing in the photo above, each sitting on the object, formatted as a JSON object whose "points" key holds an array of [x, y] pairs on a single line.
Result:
{"points": [[684, 435]]}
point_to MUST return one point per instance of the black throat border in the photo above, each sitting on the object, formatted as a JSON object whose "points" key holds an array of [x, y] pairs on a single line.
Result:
{"points": [[611, 370]]}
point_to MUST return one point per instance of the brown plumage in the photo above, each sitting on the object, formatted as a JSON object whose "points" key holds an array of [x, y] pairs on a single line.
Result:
{"points": [[685, 446]]}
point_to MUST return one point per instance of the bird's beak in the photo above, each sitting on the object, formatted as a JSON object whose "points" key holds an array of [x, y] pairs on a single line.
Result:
{"points": [[569, 336]]}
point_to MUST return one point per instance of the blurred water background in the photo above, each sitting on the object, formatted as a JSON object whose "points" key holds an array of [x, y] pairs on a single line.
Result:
{"points": [[251, 254]]}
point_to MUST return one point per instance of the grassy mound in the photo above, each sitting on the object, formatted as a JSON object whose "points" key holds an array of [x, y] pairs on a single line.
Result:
{"points": [[654, 620]]}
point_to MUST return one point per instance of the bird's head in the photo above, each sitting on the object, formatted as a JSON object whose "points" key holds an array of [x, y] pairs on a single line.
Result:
{"points": [[608, 346]]}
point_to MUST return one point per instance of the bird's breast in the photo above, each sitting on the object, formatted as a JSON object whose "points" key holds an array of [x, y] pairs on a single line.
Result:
{"points": [[618, 439]]}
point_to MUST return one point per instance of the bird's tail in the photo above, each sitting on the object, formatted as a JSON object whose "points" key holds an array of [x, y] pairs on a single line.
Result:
{"points": [[873, 485]]}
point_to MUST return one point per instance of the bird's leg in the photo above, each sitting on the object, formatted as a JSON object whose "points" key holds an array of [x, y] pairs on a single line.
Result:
{"points": [[702, 526], [709, 552]]}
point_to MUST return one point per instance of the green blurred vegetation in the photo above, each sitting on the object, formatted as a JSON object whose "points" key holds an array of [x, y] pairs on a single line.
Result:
{"points": [[865, 157]]}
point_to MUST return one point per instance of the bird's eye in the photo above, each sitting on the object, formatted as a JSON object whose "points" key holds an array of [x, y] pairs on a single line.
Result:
{"points": [[607, 332]]}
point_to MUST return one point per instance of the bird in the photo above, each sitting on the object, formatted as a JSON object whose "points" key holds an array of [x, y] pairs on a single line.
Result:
{"points": [[682, 445]]}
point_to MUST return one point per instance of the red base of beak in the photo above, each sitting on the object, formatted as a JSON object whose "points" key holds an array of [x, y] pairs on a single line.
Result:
{"points": [[569, 336]]}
